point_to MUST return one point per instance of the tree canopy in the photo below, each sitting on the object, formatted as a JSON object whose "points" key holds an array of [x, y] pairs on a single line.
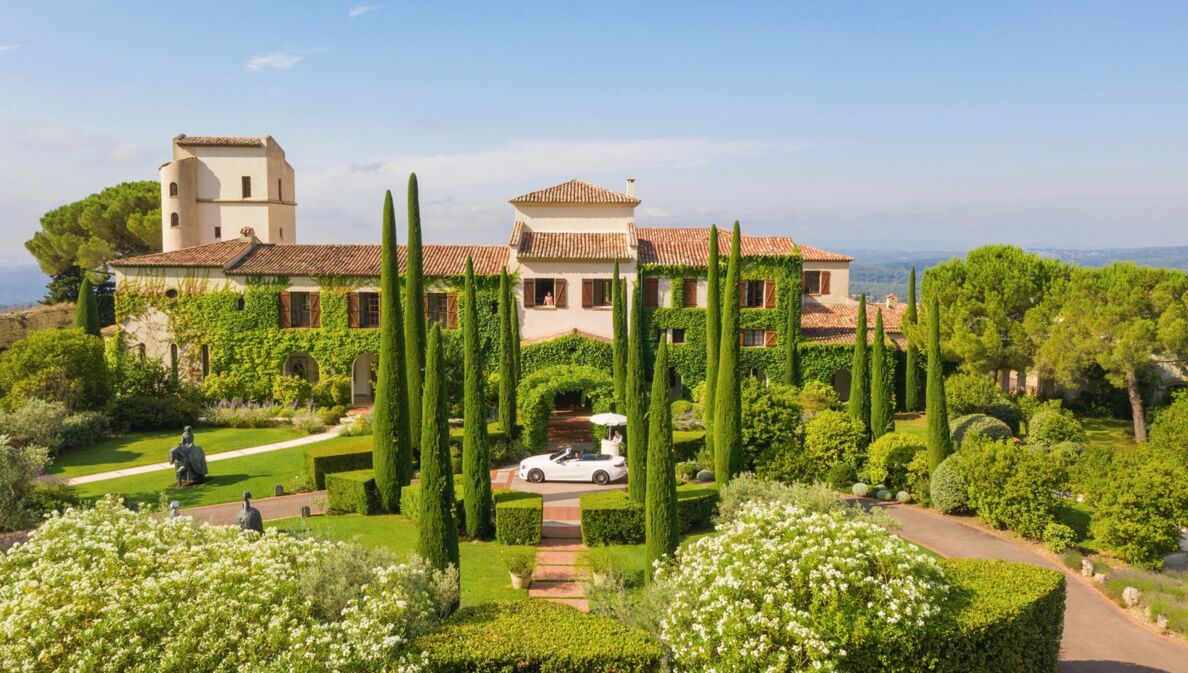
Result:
{"points": [[120, 221]]}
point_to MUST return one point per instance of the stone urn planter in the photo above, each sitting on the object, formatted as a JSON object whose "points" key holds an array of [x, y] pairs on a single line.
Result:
{"points": [[520, 565], [521, 581]]}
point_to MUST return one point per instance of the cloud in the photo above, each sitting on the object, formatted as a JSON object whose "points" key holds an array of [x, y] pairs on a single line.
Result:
{"points": [[360, 10], [94, 146], [277, 60], [5, 48]]}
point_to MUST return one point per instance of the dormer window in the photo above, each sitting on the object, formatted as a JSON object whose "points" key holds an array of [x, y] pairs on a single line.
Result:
{"points": [[173, 189], [174, 220], [247, 186]]}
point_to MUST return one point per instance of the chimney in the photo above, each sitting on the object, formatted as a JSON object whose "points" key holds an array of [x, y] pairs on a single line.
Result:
{"points": [[248, 234], [891, 301], [630, 186]]}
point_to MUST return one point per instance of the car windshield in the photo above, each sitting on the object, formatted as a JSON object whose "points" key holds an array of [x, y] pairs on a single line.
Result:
{"points": [[558, 455]]}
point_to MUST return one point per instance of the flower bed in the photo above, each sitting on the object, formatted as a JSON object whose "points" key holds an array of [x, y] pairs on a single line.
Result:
{"points": [[610, 517]]}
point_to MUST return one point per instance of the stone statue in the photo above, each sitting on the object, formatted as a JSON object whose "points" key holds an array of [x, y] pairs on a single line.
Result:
{"points": [[249, 518], [188, 460]]}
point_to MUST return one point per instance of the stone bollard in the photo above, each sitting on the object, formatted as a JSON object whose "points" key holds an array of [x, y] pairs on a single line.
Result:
{"points": [[305, 511], [1086, 568], [1130, 597], [278, 490], [1161, 622]]}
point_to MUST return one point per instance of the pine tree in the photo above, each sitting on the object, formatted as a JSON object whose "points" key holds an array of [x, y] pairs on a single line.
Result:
{"points": [[859, 405], [507, 358], [728, 393], [940, 443], [619, 341], [713, 336], [911, 388], [414, 312], [476, 463], [86, 311], [882, 391], [637, 428], [791, 347], [438, 542], [660, 515], [390, 438]]}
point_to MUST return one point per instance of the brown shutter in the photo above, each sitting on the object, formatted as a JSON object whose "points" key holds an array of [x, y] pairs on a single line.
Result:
{"points": [[451, 311], [353, 309], [529, 292], [651, 292], [315, 310], [587, 292], [769, 338], [284, 309], [769, 294], [742, 293], [742, 339], [689, 295], [824, 282], [560, 293]]}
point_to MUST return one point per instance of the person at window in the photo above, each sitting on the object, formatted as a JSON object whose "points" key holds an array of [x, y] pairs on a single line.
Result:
{"points": [[548, 299]]}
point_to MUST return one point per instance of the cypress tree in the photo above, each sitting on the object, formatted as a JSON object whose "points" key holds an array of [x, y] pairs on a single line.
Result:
{"points": [[660, 515], [728, 394], [390, 438], [414, 311], [515, 323], [859, 405], [637, 428], [882, 404], [619, 342], [476, 463], [438, 541], [86, 311], [713, 336], [940, 443], [507, 358], [791, 347], [911, 388]]}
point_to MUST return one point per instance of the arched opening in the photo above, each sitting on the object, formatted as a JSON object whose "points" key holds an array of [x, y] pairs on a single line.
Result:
{"points": [[173, 220], [301, 365], [570, 391], [841, 383], [363, 375], [173, 189], [173, 363]]}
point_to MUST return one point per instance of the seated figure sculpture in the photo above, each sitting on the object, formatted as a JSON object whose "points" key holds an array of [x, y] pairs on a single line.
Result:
{"points": [[188, 460]]}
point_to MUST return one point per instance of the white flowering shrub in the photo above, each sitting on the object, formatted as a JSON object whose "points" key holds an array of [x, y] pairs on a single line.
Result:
{"points": [[106, 589], [781, 589]]}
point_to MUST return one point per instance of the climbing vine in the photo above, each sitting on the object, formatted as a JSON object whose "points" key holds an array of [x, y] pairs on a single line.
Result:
{"points": [[538, 391]]}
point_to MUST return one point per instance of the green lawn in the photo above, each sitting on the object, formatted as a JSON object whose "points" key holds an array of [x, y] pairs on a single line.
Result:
{"points": [[1109, 432], [912, 424], [146, 448], [227, 481], [484, 577]]}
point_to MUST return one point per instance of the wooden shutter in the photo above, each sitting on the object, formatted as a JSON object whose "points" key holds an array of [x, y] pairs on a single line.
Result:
{"points": [[587, 292], [689, 293], [529, 292], [824, 282], [742, 293], [742, 337], [353, 309], [769, 338], [651, 292], [769, 294], [284, 309], [315, 310], [451, 311], [560, 293]]}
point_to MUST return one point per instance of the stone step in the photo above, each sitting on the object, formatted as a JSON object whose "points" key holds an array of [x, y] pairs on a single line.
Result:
{"points": [[560, 544], [568, 531], [560, 573], [556, 589], [556, 558], [576, 603]]}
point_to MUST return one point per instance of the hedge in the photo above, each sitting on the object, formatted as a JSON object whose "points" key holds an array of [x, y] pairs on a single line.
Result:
{"points": [[320, 461], [537, 637], [686, 444], [353, 491], [497, 443], [518, 517], [609, 517], [410, 502], [964, 428]]}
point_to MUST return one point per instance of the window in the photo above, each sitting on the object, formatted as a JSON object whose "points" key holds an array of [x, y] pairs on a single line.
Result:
{"points": [[752, 337], [752, 293], [300, 309], [280, 194], [218, 233], [173, 189], [442, 308], [689, 293], [205, 361], [547, 293], [816, 282], [651, 292], [757, 374], [678, 335], [282, 234], [369, 309], [596, 292], [247, 186], [174, 221]]}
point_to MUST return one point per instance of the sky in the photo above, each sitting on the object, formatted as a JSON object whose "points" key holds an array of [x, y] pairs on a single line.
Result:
{"points": [[845, 125]]}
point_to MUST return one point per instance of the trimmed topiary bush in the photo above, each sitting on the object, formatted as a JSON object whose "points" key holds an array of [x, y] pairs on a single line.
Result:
{"points": [[1006, 410], [352, 492], [610, 517], [687, 444], [1050, 427], [1011, 486], [1059, 537], [969, 426], [903, 496], [890, 456], [860, 489], [518, 517], [833, 437], [332, 391], [947, 488], [323, 460], [537, 637]]}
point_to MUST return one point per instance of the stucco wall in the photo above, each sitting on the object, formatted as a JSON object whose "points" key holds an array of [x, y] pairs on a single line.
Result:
{"points": [[539, 322], [839, 281], [575, 218]]}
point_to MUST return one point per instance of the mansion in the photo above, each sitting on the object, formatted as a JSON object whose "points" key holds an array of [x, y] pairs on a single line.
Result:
{"points": [[230, 235]]}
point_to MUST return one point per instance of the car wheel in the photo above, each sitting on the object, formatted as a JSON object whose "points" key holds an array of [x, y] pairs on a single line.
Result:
{"points": [[535, 476], [601, 478]]}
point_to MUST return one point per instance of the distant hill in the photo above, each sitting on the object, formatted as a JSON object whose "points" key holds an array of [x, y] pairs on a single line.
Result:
{"points": [[882, 272], [21, 286]]}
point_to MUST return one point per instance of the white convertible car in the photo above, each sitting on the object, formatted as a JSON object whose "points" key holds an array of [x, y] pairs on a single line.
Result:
{"points": [[573, 465]]}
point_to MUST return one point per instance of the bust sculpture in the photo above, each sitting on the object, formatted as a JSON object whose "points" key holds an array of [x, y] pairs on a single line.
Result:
{"points": [[188, 460], [249, 518]]}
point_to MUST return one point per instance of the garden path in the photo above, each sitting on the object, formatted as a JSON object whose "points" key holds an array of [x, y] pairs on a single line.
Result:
{"points": [[1098, 636], [214, 457], [558, 577]]}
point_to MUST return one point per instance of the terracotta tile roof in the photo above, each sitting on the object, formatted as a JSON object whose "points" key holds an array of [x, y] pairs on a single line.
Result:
{"points": [[592, 246], [211, 255], [576, 192], [517, 230], [811, 254], [834, 323], [323, 260], [220, 141], [690, 245]]}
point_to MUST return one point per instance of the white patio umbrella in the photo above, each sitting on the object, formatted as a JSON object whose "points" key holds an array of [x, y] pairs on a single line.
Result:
{"points": [[608, 419]]}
